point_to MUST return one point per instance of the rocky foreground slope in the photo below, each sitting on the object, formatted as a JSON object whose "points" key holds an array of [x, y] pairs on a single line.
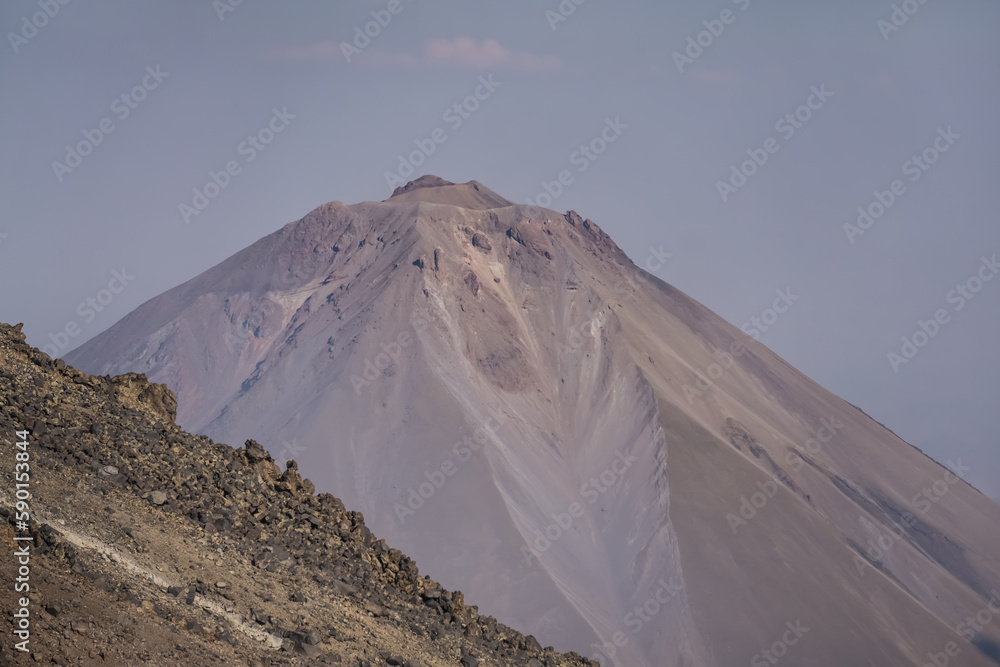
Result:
{"points": [[154, 546]]}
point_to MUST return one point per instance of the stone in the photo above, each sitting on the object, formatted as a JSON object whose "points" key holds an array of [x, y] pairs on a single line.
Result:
{"points": [[482, 242], [308, 650], [255, 452]]}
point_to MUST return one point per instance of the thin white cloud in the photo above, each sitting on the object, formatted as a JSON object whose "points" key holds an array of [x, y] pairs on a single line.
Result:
{"points": [[466, 52], [461, 52]]}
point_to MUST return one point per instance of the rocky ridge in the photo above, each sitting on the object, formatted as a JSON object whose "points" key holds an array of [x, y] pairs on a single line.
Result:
{"points": [[155, 546]]}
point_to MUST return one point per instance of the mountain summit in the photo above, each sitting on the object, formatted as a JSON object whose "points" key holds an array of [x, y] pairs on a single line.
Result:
{"points": [[434, 190], [587, 452], [425, 181]]}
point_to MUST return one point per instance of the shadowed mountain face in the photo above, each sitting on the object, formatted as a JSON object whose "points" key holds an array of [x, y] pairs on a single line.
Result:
{"points": [[589, 453]]}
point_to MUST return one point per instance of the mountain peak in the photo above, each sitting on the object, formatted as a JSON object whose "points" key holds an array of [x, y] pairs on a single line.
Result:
{"points": [[435, 190], [503, 360], [425, 181]]}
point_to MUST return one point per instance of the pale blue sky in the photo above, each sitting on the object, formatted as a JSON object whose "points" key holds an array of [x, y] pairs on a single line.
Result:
{"points": [[656, 185]]}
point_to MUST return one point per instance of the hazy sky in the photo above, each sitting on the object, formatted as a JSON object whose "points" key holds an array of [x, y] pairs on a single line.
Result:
{"points": [[267, 89]]}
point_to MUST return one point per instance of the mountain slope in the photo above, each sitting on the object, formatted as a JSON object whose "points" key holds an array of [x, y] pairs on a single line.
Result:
{"points": [[153, 546], [506, 396]]}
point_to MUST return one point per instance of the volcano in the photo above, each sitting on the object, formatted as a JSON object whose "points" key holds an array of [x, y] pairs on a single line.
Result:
{"points": [[588, 453]]}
